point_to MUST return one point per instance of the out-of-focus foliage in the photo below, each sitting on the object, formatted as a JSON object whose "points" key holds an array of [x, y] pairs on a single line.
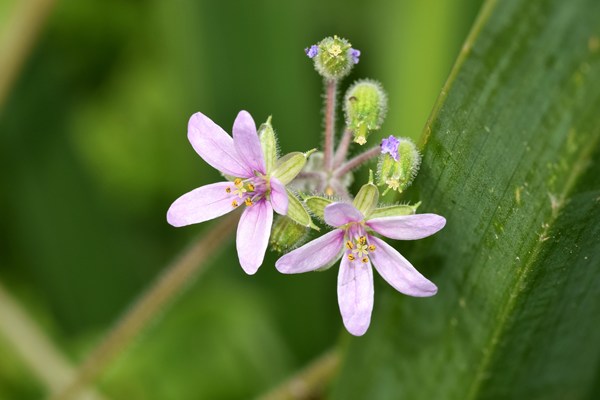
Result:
{"points": [[93, 149]]}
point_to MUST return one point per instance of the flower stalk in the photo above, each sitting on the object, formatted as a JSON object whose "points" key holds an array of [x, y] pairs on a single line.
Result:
{"points": [[357, 161], [330, 97]]}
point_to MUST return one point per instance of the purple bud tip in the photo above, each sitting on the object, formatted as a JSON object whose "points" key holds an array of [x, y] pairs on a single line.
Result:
{"points": [[311, 51], [354, 53], [390, 146]]}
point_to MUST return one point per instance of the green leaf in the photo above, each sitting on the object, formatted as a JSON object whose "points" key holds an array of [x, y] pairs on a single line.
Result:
{"points": [[512, 160]]}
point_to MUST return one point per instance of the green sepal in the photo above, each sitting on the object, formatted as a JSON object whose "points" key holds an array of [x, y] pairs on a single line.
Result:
{"points": [[366, 199], [298, 213], [290, 165], [286, 234], [268, 142], [317, 204], [395, 211]]}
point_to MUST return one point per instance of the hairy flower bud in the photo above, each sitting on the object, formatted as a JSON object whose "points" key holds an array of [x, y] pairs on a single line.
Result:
{"points": [[398, 163], [365, 106], [334, 57]]}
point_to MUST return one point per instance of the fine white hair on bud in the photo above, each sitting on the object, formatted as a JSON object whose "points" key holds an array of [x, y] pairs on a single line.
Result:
{"points": [[365, 106], [398, 165]]}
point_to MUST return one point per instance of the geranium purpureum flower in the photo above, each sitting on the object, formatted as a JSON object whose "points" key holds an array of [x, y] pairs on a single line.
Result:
{"points": [[355, 243], [253, 186]]}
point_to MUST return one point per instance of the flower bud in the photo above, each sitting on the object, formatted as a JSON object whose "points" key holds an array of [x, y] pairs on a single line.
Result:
{"points": [[268, 142], [365, 106], [287, 234], [334, 57], [398, 163], [367, 197], [290, 165]]}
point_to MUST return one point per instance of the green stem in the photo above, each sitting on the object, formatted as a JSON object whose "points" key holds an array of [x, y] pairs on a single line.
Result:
{"points": [[171, 283]]}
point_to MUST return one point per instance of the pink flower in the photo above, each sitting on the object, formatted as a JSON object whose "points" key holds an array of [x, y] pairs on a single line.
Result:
{"points": [[354, 242], [253, 186]]}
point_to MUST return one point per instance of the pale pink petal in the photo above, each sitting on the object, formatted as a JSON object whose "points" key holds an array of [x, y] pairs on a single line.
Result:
{"points": [[246, 142], [216, 147], [338, 214], [398, 272], [199, 205], [355, 295], [253, 234], [279, 197], [408, 227], [313, 255]]}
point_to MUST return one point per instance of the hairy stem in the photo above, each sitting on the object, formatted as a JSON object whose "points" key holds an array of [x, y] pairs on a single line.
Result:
{"points": [[330, 95], [357, 161], [309, 383], [17, 38], [342, 149], [171, 283], [37, 351]]}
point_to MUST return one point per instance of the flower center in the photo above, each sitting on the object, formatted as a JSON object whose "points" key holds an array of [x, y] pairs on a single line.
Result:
{"points": [[359, 249], [248, 191]]}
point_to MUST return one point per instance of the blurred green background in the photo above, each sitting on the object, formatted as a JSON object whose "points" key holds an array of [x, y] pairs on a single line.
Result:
{"points": [[93, 150]]}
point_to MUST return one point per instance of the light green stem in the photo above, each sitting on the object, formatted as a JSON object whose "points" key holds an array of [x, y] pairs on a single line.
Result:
{"points": [[37, 351], [17, 39]]}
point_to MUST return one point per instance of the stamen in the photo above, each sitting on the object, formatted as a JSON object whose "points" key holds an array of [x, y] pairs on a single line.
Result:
{"points": [[329, 191], [349, 245], [234, 204], [237, 182], [365, 260], [351, 257], [362, 240], [250, 187], [372, 248], [248, 201], [228, 189]]}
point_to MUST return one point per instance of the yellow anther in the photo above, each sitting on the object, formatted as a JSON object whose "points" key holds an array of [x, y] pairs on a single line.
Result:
{"points": [[250, 187], [351, 257], [237, 182], [234, 204], [329, 191], [248, 201], [228, 189], [372, 248], [349, 245], [365, 260], [362, 240]]}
